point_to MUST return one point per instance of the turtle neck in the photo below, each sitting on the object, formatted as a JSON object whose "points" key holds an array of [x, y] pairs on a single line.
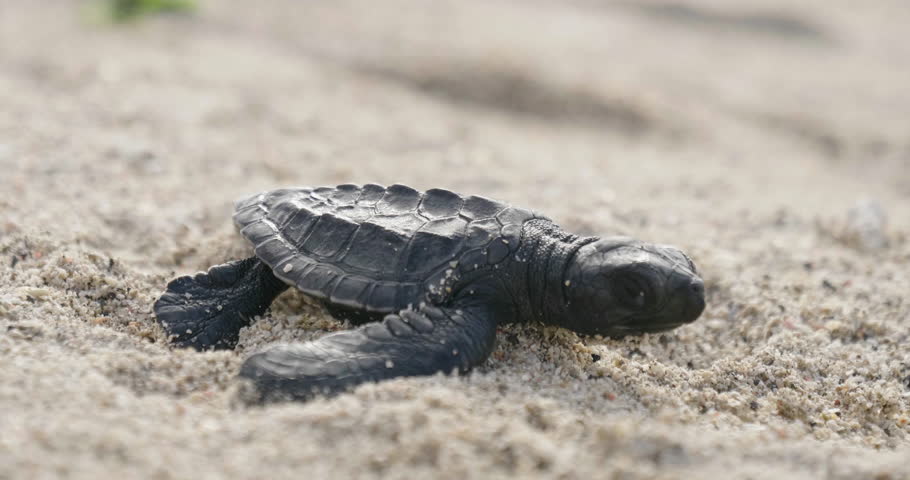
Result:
{"points": [[538, 270]]}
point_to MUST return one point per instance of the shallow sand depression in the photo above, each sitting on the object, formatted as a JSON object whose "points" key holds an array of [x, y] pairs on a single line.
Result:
{"points": [[769, 141]]}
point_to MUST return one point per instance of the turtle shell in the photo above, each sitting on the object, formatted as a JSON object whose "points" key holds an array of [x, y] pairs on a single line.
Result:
{"points": [[375, 248]]}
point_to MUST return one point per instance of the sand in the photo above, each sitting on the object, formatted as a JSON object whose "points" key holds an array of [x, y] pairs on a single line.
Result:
{"points": [[767, 139]]}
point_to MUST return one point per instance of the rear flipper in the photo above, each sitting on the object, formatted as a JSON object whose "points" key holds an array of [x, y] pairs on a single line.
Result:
{"points": [[411, 343], [207, 310]]}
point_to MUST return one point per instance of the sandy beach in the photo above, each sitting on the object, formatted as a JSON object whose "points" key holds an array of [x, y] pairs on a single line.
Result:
{"points": [[769, 140]]}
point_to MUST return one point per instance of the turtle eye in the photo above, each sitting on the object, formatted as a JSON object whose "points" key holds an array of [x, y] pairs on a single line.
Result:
{"points": [[633, 292]]}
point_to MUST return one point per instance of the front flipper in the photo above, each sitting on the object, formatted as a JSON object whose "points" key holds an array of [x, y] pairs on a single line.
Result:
{"points": [[208, 310], [410, 343]]}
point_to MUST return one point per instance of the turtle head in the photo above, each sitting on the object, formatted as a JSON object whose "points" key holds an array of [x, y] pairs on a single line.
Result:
{"points": [[619, 286]]}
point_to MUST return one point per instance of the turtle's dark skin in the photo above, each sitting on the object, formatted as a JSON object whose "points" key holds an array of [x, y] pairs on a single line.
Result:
{"points": [[428, 275]]}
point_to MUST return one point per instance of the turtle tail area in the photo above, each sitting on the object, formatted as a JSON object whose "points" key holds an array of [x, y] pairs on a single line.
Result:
{"points": [[207, 310]]}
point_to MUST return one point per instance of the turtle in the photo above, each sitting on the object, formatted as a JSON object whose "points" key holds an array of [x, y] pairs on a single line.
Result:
{"points": [[426, 277]]}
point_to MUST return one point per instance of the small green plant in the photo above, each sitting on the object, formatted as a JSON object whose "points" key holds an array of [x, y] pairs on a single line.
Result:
{"points": [[129, 10]]}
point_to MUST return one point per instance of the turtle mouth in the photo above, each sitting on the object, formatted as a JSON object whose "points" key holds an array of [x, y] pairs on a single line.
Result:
{"points": [[620, 331], [631, 325]]}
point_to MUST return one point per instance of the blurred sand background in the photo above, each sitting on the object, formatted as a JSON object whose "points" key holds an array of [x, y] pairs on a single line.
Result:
{"points": [[770, 140]]}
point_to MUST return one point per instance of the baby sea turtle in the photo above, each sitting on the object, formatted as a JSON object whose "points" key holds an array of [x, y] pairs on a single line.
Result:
{"points": [[429, 275]]}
